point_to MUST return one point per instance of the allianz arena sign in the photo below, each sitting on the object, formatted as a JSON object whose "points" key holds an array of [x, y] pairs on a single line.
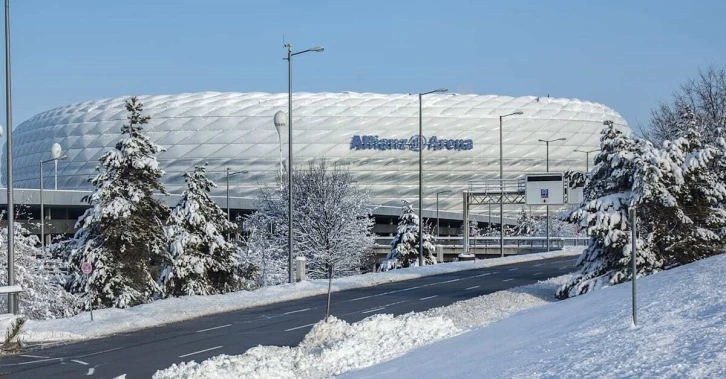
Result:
{"points": [[434, 143]]}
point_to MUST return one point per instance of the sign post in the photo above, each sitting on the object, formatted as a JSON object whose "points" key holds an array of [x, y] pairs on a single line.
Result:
{"points": [[87, 269], [330, 282]]}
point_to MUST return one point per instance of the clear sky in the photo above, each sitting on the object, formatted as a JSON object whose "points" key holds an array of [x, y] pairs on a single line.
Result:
{"points": [[626, 54]]}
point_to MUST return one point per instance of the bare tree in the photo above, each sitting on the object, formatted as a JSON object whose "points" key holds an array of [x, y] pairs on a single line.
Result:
{"points": [[705, 95]]}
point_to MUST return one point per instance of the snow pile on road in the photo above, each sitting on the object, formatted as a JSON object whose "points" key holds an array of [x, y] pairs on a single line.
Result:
{"points": [[328, 349], [681, 333], [337, 347], [112, 321]]}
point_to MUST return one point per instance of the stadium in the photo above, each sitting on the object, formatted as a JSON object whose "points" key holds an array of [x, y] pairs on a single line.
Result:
{"points": [[373, 135]]}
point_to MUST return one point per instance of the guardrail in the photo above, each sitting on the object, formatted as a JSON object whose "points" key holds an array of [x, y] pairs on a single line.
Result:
{"points": [[491, 242]]}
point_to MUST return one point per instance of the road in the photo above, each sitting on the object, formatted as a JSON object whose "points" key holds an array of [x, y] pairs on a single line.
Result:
{"points": [[141, 353]]}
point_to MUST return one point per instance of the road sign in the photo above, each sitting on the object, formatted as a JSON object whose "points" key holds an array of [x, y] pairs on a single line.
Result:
{"points": [[86, 267], [545, 189]]}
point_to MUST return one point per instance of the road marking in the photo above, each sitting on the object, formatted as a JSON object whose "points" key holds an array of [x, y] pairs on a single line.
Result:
{"points": [[512, 269], [299, 327], [506, 280], [537, 273], [564, 268], [538, 265], [361, 298], [216, 327], [488, 273], [90, 371], [33, 356], [450, 281], [38, 361], [471, 288], [81, 362], [297, 311], [398, 302], [201, 351], [374, 310], [430, 297]]}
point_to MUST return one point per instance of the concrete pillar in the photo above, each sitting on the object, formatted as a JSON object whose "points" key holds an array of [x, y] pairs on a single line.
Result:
{"points": [[300, 268], [439, 253]]}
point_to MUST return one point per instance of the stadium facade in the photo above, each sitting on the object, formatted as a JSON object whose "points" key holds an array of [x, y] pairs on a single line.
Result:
{"points": [[374, 135]]}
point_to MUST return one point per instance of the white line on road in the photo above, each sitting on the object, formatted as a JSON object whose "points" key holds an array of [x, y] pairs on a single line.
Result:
{"points": [[566, 267], [90, 371], [38, 361], [299, 327], [538, 265], [297, 311], [361, 298], [471, 288], [33, 356], [480, 275], [216, 327], [450, 281], [537, 273], [398, 302], [80, 362], [506, 280], [374, 310], [512, 269], [430, 297], [201, 351]]}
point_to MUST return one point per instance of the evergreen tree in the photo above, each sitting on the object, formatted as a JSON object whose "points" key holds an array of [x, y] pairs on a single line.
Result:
{"points": [[526, 224], [201, 260], [40, 277], [405, 245], [122, 235]]}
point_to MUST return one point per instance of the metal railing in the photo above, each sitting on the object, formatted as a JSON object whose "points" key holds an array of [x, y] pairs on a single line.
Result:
{"points": [[497, 186], [491, 242]]}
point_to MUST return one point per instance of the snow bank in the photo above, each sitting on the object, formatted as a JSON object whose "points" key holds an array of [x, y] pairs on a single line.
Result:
{"points": [[681, 333], [6, 324], [337, 347], [112, 321]]}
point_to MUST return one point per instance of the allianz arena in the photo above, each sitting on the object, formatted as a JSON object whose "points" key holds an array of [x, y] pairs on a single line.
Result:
{"points": [[369, 133]]}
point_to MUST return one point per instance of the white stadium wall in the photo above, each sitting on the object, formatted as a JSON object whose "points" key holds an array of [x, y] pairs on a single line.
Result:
{"points": [[236, 130]]}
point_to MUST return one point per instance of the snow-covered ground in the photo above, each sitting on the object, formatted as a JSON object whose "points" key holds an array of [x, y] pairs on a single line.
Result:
{"points": [[336, 347], [681, 332], [111, 321]]}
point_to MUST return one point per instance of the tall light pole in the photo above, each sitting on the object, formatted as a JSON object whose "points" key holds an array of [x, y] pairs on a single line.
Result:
{"points": [[280, 121], [501, 179], [420, 171], [547, 142], [230, 173], [437, 210], [56, 157], [290, 54], [12, 306], [587, 157]]}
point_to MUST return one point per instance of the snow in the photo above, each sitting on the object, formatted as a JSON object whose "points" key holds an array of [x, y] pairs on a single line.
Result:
{"points": [[112, 321], [336, 347], [680, 333]]}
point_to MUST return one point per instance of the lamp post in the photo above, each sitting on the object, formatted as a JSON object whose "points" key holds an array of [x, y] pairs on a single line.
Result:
{"points": [[12, 305], [587, 157], [280, 121], [547, 224], [290, 54], [230, 173], [437, 210], [420, 171], [501, 179], [55, 151]]}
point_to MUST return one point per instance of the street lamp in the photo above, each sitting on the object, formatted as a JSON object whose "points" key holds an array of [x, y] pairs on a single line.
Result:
{"points": [[290, 54], [12, 304], [587, 158], [501, 179], [56, 154], [280, 121], [437, 210], [547, 142], [230, 173], [420, 171]]}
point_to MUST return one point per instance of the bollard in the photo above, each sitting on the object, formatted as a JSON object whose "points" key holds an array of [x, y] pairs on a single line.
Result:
{"points": [[439, 253], [300, 268]]}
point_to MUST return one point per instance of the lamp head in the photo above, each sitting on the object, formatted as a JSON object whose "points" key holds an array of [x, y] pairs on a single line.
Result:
{"points": [[317, 49], [55, 151]]}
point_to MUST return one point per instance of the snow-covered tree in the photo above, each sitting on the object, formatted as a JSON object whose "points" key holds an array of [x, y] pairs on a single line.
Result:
{"points": [[405, 245], [122, 234], [526, 224], [40, 277], [332, 224], [201, 261], [262, 252]]}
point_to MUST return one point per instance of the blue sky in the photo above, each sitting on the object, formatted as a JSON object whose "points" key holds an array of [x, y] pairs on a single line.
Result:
{"points": [[626, 54]]}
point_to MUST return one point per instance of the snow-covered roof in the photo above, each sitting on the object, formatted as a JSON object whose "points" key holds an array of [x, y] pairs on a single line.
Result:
{"points": [[236, 130]]}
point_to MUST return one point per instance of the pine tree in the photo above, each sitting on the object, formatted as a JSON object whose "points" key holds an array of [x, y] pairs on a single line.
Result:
{"points": [[122, 235], [201, 260], [405, 245], [39, 276]]}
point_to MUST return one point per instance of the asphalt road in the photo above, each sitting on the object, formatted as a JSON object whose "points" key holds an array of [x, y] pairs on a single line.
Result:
{"points": [[141, 353]]}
